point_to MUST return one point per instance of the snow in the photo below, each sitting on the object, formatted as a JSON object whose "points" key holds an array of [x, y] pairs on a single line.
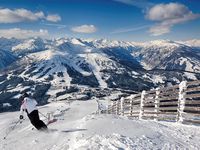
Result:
{"points": [[158, 79], [6, 105], [193, 42], [190, 75], [77, 42], [97, 68], [29, 45], [187, 63], [135, 73], [79, 128], [103, 43], [182, 88], [19, 88]]}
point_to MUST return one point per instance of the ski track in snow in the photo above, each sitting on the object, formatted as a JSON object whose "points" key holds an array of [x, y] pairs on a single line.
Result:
{"points": [[80, 128], [96, 70]]}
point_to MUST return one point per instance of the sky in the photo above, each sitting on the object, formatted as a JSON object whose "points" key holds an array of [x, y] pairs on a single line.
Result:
{"points": [[126, 20]]}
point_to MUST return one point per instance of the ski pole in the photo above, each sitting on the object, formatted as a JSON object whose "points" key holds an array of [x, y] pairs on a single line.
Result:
{"points": [[43, 115], [12, 129]]}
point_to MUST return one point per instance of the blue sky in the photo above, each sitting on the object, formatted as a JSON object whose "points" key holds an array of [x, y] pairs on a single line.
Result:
{"points": [[128, 20]]}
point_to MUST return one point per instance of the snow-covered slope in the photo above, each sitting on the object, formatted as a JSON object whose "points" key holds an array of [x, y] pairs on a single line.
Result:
{"points": [[79, 128], [29, 46], [192, 43], [64, 66], [168, 55], [78, 62]]}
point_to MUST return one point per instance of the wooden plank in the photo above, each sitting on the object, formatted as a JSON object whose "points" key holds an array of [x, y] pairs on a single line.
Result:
{"points": [[194, 102], [168, 108], [192, 114], [169, 94], [167, 119], [134, 106], [134, 100], [132, 116], [149, 108], [134, 103], [137, 95], [191, 108], [175, 90], [168, 98], [150, 112], [167, 113], [149, 99], [149, 117], [192, 121], [174, 100], [193, 82], [194, 89], [162, 103], [168, 103], [149, 105], [164, 113], [134, 112], [192, 95]]}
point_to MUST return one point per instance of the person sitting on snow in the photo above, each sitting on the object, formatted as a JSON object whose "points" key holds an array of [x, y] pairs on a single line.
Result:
{"points": [[29, 105]]}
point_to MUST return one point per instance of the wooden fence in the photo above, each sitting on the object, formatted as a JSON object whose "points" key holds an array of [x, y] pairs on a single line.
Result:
{"points": [[179, 103]]}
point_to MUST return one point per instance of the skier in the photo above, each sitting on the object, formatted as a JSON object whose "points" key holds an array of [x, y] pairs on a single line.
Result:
{"points": [[29, 105]]}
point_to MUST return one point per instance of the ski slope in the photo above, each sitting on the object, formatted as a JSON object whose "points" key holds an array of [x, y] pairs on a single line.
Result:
{"points": [[80, 128]]}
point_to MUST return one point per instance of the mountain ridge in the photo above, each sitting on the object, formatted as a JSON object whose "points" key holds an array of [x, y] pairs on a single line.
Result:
{"points": [[67, 67]]}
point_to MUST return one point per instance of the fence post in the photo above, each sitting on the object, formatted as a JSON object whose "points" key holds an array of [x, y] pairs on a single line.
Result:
{"points": [[98, 107], [131, 107], [181, 101], [112, 107], [157, 104], [122, 106], [108, 107], [142, 104], [116, 107]]}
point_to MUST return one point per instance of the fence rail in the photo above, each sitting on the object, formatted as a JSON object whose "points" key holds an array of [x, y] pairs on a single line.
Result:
{"points": [[179, 103]]}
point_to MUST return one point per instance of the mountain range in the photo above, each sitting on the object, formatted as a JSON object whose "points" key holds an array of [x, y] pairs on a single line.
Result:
{"points": [[75, 68]]}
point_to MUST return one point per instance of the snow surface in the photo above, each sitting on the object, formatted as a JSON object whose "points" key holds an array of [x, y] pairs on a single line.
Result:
{"points": [[80, 128]]}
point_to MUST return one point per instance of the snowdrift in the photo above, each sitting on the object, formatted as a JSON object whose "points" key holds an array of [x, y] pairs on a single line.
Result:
{"points": [[79, 128]]}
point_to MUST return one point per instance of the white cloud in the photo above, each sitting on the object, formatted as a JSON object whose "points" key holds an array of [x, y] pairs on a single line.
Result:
{"points": [[168, 15], [84, 29], [159, 30], [22, 34], [53, 18], [21, 15], [137, 3], [59, 26]]}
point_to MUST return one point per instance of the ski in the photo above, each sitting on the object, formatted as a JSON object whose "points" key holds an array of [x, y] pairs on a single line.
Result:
{"points": [[51, 121]]}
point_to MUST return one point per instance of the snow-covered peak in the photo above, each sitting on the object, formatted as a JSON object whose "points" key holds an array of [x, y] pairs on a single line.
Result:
{"points": [[193, 43], [29, 45], [162, 43], [77, 42], [104, 43], [46, 55]]}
